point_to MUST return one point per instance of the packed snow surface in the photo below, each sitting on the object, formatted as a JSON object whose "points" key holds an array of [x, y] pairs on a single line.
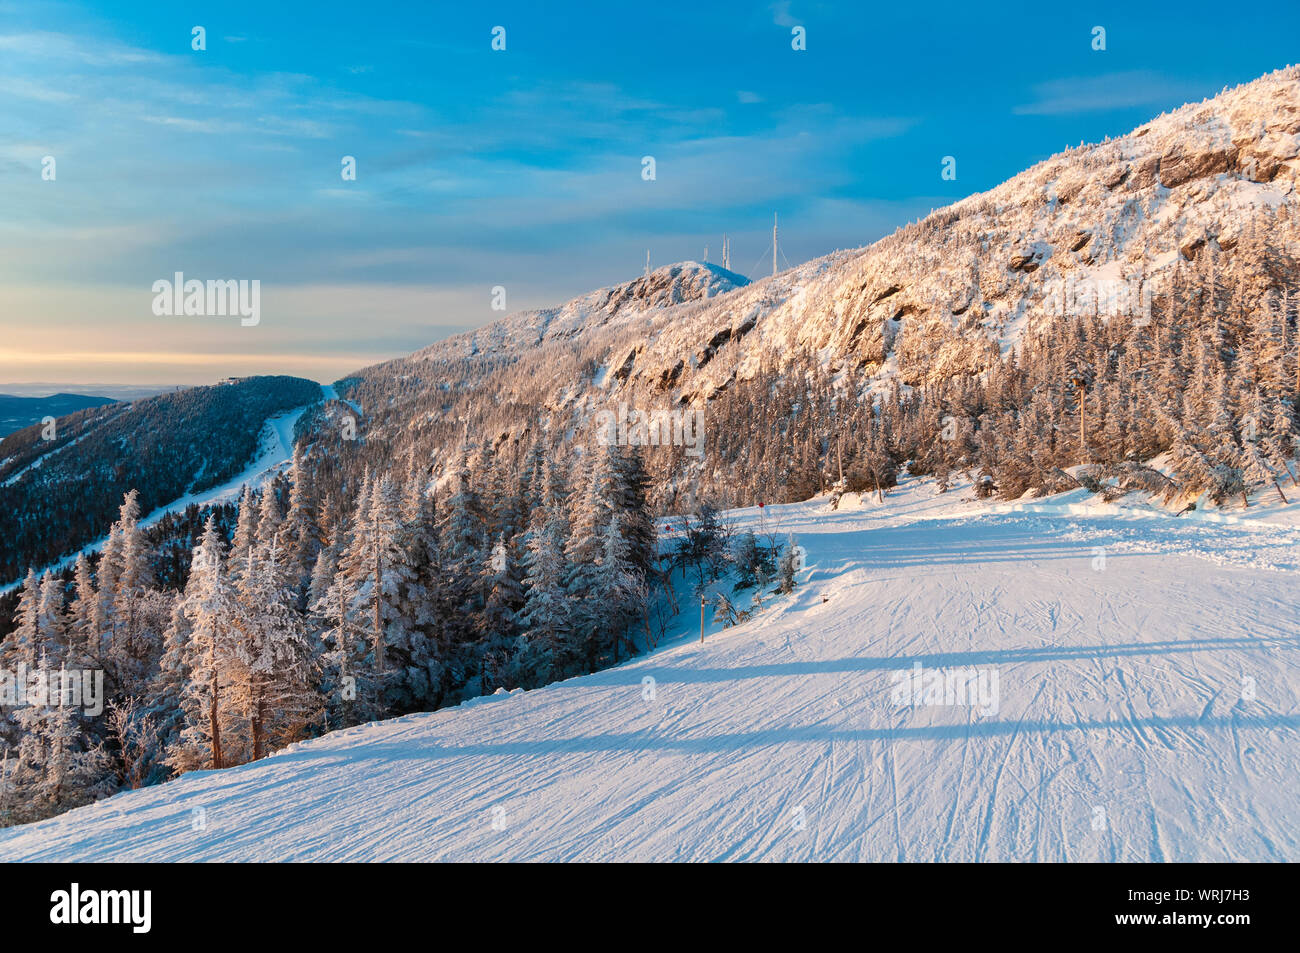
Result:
{"points": [[1146, 711]]}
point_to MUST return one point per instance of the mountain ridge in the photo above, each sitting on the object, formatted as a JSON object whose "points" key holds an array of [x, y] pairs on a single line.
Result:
{"points": [[18, 411], [866, 294]]}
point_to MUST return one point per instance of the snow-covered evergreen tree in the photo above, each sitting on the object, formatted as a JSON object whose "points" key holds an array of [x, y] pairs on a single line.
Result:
{"points": [[59, 764], [543, 649], [51, 626], [211, 607], [503, 584], [81, 620], [23, 644], [245, 539], [788, 565], [273, 671], [302, 535]]}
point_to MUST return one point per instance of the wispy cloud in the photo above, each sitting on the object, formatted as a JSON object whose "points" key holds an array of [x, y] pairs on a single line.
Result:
{"points": [[781, 14], [61, 48], [1106, 91], [212, 126], [28, 89]]}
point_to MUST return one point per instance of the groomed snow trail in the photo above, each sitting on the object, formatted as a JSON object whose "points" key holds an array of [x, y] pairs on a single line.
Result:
{"points": [[1147, 711]]}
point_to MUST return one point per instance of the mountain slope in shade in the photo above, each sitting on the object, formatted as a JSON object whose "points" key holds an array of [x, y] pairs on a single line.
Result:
{"points": [[58, 495], [272, 457], [1130, 739], [19, 412]]}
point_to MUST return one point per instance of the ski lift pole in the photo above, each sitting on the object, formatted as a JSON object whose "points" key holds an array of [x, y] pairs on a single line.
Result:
{"points": [[701, 620]]}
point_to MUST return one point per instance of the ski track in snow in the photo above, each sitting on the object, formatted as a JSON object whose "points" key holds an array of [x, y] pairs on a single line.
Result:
{"points": [[275, 450], [1123, 731], [39, 461], [329, 393]]}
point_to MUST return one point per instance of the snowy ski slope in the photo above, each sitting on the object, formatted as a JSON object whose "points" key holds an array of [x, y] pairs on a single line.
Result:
{"points": [[1147, 674]]}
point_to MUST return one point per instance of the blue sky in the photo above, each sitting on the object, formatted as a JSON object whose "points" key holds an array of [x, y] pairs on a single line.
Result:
{"points": [[519, 168]]}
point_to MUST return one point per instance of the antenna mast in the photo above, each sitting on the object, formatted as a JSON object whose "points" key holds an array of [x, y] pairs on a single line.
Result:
{"points": [[773, 244], [647, 263]]}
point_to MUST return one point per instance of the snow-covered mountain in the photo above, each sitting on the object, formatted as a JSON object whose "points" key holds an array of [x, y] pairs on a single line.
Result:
{"points": [[663, 288], [951, 294], [1130, 711]]}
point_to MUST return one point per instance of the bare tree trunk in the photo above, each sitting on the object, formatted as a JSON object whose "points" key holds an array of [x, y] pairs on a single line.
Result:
{"points": [[259, 713], [1083, 428], [1279, 490], [343, 659], [214, 723], [667, 577], [379, 626]]}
